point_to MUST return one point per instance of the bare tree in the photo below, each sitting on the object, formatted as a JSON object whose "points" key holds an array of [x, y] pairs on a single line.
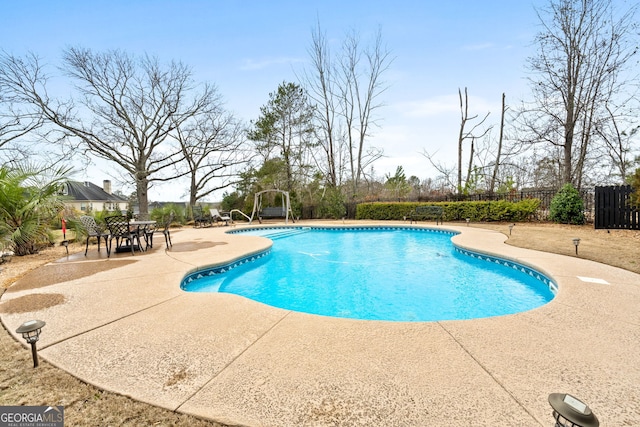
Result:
{"points": [[467, 134], [15, 121], [214, 148], [360, 86], [446, 178], [496, 166], [619, 142], [345, 89], [583, 48], [23, 133], [320, 83], [126, 112]]}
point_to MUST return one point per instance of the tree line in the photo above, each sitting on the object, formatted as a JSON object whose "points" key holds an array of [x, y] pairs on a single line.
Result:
{"points": [[154, 123]]}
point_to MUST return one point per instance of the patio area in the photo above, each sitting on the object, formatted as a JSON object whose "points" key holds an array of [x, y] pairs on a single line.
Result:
{"points": [[124, 325]]}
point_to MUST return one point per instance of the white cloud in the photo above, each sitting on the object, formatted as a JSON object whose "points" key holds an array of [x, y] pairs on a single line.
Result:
{"points": [[445, 104]]}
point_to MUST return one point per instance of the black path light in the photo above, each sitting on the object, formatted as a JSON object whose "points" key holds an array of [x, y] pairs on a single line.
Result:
{"points": [[576, 242], [31, 332], [511, 228], [571, 412]]}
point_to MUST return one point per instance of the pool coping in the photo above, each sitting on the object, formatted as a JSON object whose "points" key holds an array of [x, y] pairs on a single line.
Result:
{"points": [[131, 330]]}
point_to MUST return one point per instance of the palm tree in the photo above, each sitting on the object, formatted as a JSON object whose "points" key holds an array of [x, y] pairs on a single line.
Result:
{"points": [[29, 201]]}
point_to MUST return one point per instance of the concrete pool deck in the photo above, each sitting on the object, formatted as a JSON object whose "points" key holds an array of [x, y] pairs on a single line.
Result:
{"points": [[126, 326]]}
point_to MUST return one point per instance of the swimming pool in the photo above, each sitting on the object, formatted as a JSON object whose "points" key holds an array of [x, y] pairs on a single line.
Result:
{"points": [[377, 273]]}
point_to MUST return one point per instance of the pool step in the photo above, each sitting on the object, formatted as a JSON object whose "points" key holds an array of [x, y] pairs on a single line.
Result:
{"points": [[279, 234]]}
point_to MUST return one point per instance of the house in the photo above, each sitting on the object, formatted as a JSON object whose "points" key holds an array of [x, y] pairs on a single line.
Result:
{"points": [[87, 197]]}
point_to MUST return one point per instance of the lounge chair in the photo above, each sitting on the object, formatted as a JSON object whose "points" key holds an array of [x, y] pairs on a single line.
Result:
{"points": [[217, 216], [90, 225]]}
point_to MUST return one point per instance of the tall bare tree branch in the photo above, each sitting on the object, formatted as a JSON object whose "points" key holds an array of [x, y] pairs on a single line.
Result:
{"points": [[583, 48], [125, 111]]}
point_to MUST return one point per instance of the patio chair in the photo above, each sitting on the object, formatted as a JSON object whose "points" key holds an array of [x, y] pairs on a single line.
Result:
{"points": [[217, 216], [150, 231], [147, 232], [125, 235], [200, 218], [93, 230], [166, 231]]}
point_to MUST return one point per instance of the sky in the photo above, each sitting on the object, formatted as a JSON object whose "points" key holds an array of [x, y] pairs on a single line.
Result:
{"points": [[247, 48]]}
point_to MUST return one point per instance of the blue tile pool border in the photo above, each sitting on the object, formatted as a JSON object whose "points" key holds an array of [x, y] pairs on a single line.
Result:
{"points": [[211, 271], [553, 287], [348, 228]]}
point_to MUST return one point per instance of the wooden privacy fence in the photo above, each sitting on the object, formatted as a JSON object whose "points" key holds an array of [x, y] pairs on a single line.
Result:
{"points": [[613, 208]]}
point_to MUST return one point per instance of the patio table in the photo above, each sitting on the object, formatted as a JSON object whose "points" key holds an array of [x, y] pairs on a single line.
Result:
{"points": [[146, 229]]}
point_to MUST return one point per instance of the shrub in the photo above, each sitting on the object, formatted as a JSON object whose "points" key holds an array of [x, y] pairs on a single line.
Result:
{"points": [[567, 206], [500, 210], [332, 205], [634, 180], [160, 214], [29, 202]]}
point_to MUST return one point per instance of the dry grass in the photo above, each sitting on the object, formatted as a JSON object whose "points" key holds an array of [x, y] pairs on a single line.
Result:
{"points": [[86, 405], [620, 248]]}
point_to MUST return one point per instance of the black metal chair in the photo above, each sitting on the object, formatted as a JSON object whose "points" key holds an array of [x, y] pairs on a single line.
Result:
{"points": [[147, 232], [93, 230], [200, 218], [166, 231], [125, 235]]}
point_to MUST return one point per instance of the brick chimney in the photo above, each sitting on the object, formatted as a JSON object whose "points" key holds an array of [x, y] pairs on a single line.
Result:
{"points": [[106, 186]]}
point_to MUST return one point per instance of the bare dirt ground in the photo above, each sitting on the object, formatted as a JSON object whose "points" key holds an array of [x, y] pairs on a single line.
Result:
{"points": [[86, 405]]}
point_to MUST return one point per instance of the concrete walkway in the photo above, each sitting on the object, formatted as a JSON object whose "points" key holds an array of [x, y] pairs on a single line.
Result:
{"points": [[131, 329]]}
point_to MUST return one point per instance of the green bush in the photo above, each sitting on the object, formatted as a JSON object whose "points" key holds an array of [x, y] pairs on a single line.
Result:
{"points": [[332, 205], [634, 180], [232, 201], [500, 210], [29, 203], [567, 206], [160, 214]]}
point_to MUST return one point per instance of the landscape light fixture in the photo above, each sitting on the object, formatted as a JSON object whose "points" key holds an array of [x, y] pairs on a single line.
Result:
{"points": [[576, 242], [571, 412], [31, 332], [511, 228], [468, 219]]}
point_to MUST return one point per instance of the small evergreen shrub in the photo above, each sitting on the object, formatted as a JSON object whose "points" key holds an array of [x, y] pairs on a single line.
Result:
{"points": [[332, 205], [567, 206], [634, 180], [160, 214]]}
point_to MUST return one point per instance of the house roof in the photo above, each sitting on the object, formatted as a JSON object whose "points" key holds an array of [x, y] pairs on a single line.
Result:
{"points": [[87, 191]]}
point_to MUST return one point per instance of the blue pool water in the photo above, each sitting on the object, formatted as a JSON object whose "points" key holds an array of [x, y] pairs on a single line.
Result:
{"points": [[396, 274]]}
